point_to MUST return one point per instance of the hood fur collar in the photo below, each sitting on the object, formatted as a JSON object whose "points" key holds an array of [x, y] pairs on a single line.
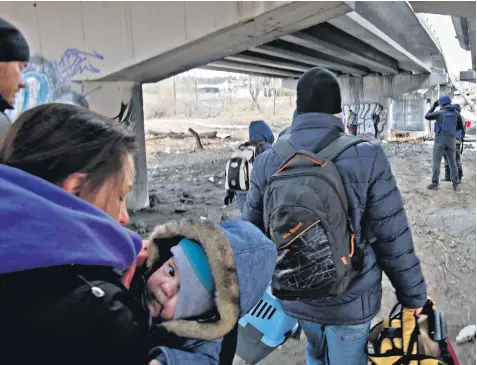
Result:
{"points": [[220, 254]]}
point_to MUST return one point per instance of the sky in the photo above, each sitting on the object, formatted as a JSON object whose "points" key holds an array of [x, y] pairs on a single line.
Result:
{"points": [[457, 58]]}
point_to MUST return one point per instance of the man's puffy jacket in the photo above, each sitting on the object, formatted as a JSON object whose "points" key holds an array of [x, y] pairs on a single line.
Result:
{"points": [[374, 200]]}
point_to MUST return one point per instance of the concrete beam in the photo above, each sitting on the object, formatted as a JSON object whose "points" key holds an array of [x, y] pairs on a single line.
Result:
{"points": [[471, 28], [465, 32], [355, 90], [245, 67], [311, 60], [283, 18], [468, 76], [461, 32], [464, 9], [249, 73], [375, 23], [416, 38], [261, 61], [330, 40]]}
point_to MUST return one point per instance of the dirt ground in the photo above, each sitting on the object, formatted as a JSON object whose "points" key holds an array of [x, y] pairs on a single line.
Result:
{"points": [[188, 183]]}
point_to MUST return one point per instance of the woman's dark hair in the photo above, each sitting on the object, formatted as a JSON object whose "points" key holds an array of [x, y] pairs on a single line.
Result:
{"points": [[53, 141]]}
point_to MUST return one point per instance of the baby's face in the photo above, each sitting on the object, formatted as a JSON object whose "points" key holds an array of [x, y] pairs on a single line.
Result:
{"points": [[163, 290]]}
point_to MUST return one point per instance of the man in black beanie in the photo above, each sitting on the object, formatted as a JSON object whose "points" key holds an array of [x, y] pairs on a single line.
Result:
{"points": [[14, 57], [337, 326]]}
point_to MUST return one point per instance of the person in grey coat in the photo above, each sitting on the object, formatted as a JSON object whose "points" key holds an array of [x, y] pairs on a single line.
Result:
{"points": [[337, 328], [14, 56], [448, 123]]}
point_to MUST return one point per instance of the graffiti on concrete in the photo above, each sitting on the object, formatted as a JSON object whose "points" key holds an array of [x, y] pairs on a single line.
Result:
{"points": [[126, 115], [45, 84], [74, 62], [128, 111], [365, 113]]}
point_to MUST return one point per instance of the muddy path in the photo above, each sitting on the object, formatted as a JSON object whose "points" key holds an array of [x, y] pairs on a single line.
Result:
{"points": [[191, 184]]}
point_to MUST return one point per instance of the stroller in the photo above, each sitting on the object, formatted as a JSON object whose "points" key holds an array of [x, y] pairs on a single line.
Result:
{"points": [[263, 329]]}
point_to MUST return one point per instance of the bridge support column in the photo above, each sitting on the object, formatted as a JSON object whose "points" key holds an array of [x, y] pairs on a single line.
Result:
{"points": [[123, 102], [388, 104], [139, 196]]}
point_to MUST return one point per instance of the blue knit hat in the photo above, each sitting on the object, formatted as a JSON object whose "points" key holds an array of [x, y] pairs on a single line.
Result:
{"points": [[196, 291], [444, 100]]}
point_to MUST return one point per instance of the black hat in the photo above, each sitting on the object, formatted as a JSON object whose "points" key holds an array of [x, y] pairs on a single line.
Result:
{"points": [[13, 45], [318, 91]]}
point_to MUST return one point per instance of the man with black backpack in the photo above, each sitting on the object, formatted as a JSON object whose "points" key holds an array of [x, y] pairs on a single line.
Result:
{"points": [[331, 205]]}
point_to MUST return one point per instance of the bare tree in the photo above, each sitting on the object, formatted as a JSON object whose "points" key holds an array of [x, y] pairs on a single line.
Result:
{"points": [[174, 94], [196, 91], [274, 86], [254, 87]]}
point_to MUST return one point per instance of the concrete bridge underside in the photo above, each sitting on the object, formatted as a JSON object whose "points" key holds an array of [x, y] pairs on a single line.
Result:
{"points": [[98, 54]]}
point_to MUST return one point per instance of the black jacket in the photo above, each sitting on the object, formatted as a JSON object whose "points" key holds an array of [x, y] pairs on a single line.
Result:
{"points": [[101, 330]]}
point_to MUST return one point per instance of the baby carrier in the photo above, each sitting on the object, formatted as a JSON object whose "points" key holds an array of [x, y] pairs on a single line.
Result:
{"points": [[404, 339]]}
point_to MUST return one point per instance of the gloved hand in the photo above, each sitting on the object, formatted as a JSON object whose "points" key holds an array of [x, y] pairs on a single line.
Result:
{"points": [[436, 104], [229, 197]]}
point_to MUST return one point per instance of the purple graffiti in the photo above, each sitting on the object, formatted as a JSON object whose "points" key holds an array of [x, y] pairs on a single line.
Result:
{"points": [[74, 62]]}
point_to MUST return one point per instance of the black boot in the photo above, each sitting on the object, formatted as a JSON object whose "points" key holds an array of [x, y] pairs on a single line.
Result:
{"points": [[456, 187], [433, 186]]}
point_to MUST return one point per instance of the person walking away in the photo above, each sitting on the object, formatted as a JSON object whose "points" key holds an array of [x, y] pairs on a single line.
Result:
{"points": [[336, 325], [14, 57], [376, 120], [239, 168], [459, 146], [447, 122], [353, 124]]}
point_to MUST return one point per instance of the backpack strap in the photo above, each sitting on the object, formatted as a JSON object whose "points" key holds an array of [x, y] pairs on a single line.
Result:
{"points": [[283, 148], [338, 146], [229, 347], [333, 150], [329, 138]]}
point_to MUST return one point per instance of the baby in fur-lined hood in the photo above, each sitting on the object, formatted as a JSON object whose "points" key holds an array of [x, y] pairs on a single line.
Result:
{"points": [[200, 278]]}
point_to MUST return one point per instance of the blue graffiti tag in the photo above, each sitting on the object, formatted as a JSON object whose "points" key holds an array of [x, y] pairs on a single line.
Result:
{"points": [[36, 92], [43, 85], [74, 62]]}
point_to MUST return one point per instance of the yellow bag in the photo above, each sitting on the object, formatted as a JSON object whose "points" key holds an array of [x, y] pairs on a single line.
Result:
{"points": [[404, 339]]}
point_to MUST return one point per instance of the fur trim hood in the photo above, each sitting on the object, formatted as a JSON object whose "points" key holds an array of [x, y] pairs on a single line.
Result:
{"points": [[242, 260]]}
